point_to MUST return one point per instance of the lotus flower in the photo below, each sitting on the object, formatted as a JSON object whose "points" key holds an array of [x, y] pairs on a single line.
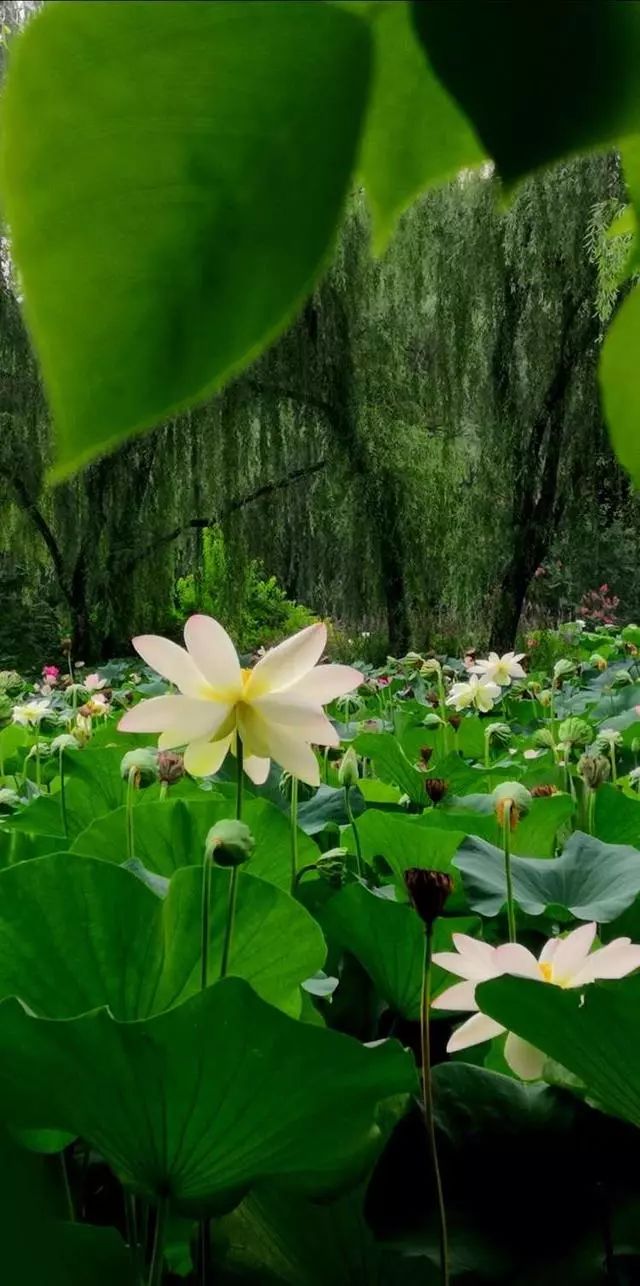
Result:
{"points": [[50, 674], [30, 713], [480, 693], [275, 708], [564, 962], [501, 669], [93, 683]]}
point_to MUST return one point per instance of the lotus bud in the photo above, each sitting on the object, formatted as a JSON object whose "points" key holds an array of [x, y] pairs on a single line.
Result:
{"points": [[436, 788], [64, 741], [621, 679], [545, 697], [543, 791], [575, 732], [413, 660], [426, 753], [563, 668], [597, 660], [82, 730], [455, 720], [10, 681], [432, 720], [594, 770], [431, 666], [543, 737], [428, 892], [608, 737], [65, 645], [229, 843], [498, 732], [141, 764], [170, 767], [516, 795], [348, 774]]}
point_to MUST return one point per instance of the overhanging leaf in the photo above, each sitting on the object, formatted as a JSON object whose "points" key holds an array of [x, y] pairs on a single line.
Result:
{"points": [[591, 880], [414, 133], [177, 199], [593, 1032], [207, 1099], [538, 80]]}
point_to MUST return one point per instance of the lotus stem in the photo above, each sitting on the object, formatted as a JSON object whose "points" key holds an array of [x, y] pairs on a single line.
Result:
{"points": [[506, 845], [206, 913], [427, 1102], [131, 785], [231, 914], [157, 1257], [354, 828]]}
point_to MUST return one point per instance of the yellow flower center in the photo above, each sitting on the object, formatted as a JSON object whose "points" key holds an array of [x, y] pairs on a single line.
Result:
{"points": [[546, 970]]}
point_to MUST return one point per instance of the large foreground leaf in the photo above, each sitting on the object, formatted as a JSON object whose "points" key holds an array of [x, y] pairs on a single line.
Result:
{"points": [[208, 1099], [388, 939], [77, 933], [538, 80], [591, 880], [593, 1032], [172, 834], [415, 135], [277, 1238], [177, 198]]}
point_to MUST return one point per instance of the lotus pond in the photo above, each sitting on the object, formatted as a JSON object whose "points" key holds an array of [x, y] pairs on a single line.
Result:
{"points": [[266, 1026]]}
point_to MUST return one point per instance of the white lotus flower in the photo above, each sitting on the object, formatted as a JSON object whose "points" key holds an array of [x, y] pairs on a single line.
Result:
{"points": [[564, 962], [31, 713], [480, 693], [275, 708], [501, 669]]}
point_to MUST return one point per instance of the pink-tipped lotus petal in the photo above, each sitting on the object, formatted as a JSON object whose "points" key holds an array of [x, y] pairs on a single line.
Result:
{"points": [[514, 959], [572, 951], [462, 996], [474, 1032], [616, 960]]}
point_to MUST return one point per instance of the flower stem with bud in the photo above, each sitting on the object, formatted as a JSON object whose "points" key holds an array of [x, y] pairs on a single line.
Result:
{"points": [[427, 1101], [428, 892]]}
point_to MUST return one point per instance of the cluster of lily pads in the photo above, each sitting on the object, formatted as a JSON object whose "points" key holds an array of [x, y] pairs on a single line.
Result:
{"points": [[238, 1045]]}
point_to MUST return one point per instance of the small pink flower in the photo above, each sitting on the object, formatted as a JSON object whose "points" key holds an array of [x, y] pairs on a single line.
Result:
{"points": [[93, 683], [50, 674], [383, 681]]}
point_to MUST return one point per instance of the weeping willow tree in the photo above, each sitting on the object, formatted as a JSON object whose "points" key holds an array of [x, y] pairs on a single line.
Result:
{"points": [[403, 459]]}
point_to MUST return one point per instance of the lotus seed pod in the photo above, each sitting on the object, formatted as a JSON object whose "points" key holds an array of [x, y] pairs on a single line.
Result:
{"points": [[229, 843]]}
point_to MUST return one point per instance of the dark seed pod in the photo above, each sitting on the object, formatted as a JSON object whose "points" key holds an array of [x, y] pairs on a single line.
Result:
{"points": [[428, 892], [436, 788]]}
